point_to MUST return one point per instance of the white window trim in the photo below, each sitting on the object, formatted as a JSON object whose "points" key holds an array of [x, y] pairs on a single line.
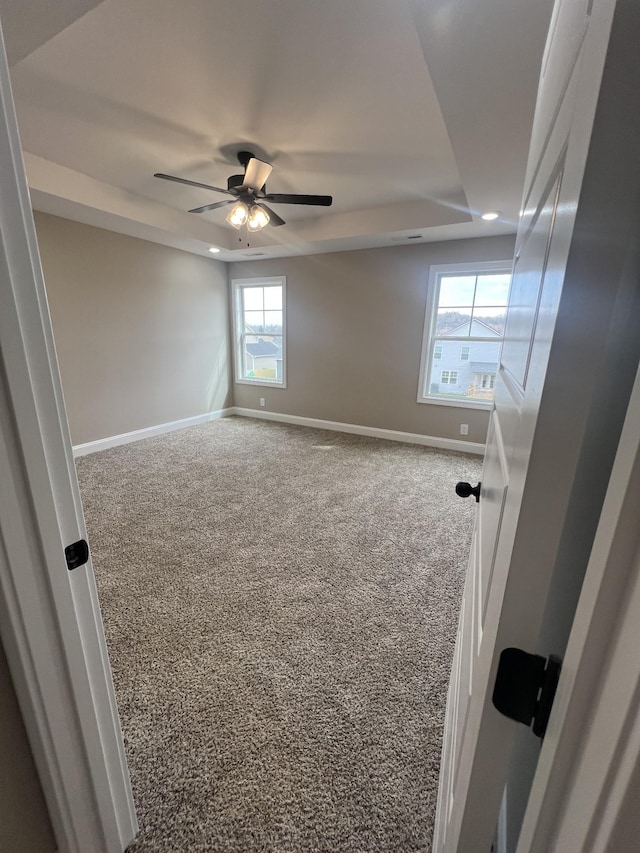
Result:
{"points": [[448, 381], [236, 288], [480, 267]]}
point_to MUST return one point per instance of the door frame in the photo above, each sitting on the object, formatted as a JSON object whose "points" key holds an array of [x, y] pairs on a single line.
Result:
{"points": [[50, 622], [592, 743]]}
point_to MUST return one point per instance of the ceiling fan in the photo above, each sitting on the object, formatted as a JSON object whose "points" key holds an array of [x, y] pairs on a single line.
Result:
{"points": [[248, 195]]}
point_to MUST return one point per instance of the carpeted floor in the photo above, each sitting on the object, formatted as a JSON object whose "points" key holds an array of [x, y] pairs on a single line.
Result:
{"points": [[280, 606]]}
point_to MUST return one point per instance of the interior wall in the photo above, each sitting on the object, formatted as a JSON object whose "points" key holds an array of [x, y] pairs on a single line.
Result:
{"points": [[141, 330], [354, 333], [24, 820]]}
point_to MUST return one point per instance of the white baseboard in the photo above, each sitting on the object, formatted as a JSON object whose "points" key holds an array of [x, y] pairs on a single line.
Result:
{"points": [[147, 432], [298, 420], [373, 432]]}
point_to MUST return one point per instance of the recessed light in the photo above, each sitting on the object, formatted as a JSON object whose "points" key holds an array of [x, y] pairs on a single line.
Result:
{"points": [[213, 250], [490, 215]]}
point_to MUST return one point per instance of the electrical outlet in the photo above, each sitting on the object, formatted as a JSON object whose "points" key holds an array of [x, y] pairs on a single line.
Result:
{"points": [[464, 429], [262, 402]]}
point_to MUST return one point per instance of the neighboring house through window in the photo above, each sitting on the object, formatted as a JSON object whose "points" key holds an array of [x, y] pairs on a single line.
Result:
{"points": [[464, 326], [259, 322]]}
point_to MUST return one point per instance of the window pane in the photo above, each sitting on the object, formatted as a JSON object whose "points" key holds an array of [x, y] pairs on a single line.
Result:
{"points": [[454, 322], [466, 337], [253, 298], [273, 321], [456, 290], [259, 319], [253, 321], [492, 289], [493, 318], [273, 298]]}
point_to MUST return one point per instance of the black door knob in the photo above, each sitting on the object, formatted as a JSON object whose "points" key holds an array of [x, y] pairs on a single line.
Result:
{"points": [[465, 490]]}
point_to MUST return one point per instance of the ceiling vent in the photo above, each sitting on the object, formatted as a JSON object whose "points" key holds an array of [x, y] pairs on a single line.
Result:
{"points": [[254, 254]]}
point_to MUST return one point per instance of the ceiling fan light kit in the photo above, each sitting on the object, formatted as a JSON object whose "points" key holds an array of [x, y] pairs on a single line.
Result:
{"points": [[249, 195], [258, 218], [238, 214]]}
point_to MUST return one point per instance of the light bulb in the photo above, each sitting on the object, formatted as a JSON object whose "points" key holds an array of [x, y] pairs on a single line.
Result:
{"points": [[238, 214], [258, 218]]}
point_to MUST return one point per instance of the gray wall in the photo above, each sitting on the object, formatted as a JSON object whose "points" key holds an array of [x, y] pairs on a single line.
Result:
{"points": [[141, 330], [24, 820], [354, 332]]}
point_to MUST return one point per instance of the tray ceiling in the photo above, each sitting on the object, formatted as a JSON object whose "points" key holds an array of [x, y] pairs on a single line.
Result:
{"points": [[393, 107]]}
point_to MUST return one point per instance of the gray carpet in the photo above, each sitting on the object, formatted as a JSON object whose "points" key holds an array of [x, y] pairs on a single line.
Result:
{"points": [[280, 606]]}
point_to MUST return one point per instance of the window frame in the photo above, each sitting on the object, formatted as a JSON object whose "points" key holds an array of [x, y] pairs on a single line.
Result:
{"points": [[237, 286], [448, 380], [436, 272]]}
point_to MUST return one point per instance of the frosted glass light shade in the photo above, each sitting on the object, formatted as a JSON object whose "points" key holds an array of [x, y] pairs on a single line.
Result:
{"points": [[238, 214], [258, 218]]}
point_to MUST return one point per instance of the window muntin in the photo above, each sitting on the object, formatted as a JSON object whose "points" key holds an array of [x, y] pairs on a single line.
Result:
{"points": [[259, 322], [464, 327]]}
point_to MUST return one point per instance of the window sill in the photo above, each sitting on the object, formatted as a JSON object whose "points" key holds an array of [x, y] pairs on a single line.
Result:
{"points": [[261, 382], [484, 406]]}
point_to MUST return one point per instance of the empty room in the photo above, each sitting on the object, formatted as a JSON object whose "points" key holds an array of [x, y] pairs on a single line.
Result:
{"points": [[319, 425]]}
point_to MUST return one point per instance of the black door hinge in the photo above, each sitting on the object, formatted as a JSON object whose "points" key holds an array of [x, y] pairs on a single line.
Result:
{"points": [[76, 554], [525, 687]]}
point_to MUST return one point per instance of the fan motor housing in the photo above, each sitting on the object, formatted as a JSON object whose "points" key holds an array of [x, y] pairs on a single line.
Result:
{"points": [[234, 181]]}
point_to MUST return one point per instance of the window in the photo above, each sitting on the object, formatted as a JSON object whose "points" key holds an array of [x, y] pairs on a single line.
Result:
{"points": [[463, 330], [259, 323]]}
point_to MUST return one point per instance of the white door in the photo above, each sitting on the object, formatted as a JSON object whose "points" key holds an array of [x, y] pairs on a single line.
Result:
{"points": [[547, 392], [49, 615]]}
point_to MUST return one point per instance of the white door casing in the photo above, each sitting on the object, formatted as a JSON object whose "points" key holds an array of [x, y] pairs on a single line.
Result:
{"points": [[584, 790], [538, 425], [51, 625]]}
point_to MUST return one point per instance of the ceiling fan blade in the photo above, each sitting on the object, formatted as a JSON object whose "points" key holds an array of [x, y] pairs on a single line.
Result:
{"points": [[191, 183], [256, 174], [206, 207], [274, 219], [283, 198]]}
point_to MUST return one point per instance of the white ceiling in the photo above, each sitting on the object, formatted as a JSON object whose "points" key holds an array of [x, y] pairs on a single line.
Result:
{"points": [[414, 114]]}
